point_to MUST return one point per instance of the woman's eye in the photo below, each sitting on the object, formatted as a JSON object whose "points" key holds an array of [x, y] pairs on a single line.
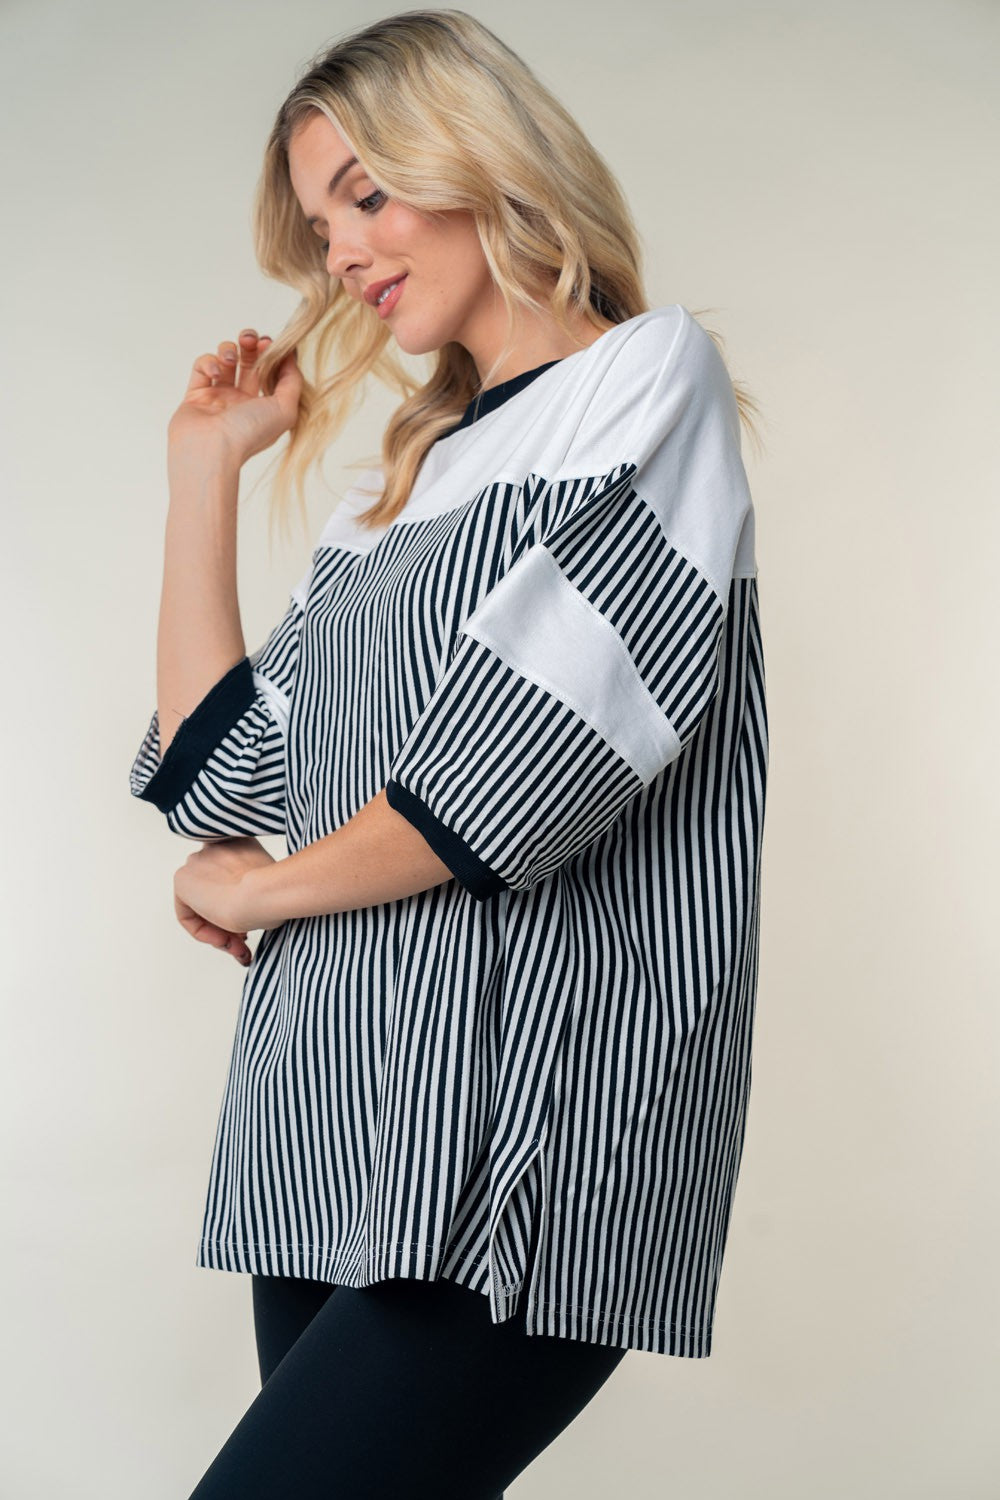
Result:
{"points": [[367, 206], [362, 202]]}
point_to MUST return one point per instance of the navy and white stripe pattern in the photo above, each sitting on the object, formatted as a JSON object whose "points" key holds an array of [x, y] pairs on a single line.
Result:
{"points": [[215, 788], [552, 661]]}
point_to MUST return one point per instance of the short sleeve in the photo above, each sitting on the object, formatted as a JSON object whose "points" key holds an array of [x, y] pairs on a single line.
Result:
{"points": [[587, 668], [223, 774]]}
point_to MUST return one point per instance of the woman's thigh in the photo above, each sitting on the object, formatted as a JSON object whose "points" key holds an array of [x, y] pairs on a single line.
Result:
{"points": [[406, 1387], [283, 1308]]}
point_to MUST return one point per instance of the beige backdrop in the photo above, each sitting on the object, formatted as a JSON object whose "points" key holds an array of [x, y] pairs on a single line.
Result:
{"points": [[824, 178]]}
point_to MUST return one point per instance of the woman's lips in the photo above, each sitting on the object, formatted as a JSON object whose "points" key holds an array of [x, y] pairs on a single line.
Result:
{"points": [[383, 308]]}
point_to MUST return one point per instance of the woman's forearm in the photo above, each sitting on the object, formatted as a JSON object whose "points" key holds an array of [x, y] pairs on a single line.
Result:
{"points": [[200, 633], [376, 856]]}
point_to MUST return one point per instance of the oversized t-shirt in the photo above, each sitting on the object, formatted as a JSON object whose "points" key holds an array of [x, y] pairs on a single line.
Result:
{"points": [[551, 660]]}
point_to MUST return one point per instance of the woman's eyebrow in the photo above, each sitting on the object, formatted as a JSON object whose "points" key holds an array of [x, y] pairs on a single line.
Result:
{"points": [[331, 187]]}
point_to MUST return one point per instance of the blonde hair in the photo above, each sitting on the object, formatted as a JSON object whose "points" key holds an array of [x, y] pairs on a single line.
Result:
{"points": [[442, 115]]}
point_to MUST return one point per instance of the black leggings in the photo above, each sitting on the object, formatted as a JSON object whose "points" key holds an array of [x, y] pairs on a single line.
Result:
{"points": [[403, 1390]]}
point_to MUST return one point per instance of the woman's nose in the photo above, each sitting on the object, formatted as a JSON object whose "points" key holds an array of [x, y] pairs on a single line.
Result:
{"points": [[342, 259]]}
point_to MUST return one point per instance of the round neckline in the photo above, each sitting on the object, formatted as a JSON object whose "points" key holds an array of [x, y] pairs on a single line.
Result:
{"points": [[495, 395], [489, 400]]}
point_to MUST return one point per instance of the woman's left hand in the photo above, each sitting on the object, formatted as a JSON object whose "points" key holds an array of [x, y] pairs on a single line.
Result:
{"points": [[211, 891]]}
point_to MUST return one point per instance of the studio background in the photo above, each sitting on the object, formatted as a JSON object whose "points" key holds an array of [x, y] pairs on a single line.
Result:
{"points": [[825, 182]]}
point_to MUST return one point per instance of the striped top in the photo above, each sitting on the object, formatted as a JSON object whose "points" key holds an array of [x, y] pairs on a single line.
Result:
{"points": [[551, 660]]}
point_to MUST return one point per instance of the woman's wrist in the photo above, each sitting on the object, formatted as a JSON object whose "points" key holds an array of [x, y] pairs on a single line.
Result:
{"points": [[198, 470], [259, 898]]}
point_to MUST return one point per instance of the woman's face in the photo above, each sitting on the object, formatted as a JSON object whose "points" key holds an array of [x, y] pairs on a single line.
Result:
{"points": [[448, 294]]}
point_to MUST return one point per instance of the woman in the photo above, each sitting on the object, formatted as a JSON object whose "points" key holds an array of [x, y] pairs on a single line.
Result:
{"points": [[487, 1093]]}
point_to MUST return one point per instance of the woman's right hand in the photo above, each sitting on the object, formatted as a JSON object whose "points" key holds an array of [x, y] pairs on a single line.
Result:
{"points": [[223, 405]]}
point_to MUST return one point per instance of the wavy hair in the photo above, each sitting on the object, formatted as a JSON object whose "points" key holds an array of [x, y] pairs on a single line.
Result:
{"points": [[442, 115]]}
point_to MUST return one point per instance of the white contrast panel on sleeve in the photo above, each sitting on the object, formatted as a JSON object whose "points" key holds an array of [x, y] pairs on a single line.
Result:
{"points": [[589, 666]]}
